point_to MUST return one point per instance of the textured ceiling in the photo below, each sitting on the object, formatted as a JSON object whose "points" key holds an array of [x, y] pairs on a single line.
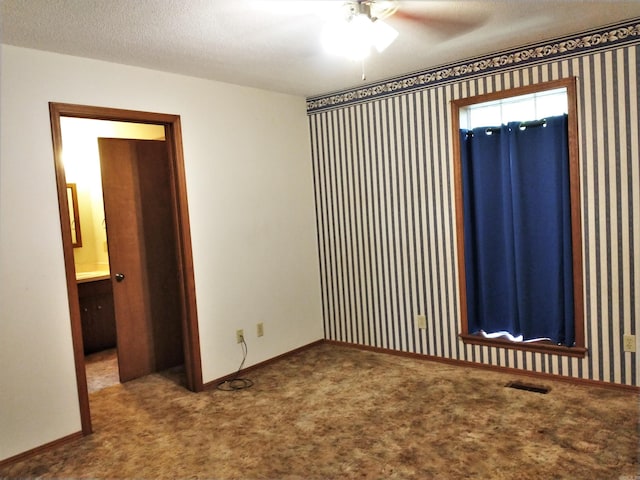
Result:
{"points": [[274, 44]]}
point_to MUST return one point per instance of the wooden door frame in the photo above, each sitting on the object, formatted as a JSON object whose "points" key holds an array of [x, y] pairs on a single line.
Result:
{"points": [[173, 136]]}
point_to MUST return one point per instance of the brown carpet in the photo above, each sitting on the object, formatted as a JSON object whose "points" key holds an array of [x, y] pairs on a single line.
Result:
{"points": [[337, 412], [102, 370]]}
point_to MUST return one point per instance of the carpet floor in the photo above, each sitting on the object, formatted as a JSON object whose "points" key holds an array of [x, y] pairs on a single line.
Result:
{"points": [[337, 412], [102, 370]]}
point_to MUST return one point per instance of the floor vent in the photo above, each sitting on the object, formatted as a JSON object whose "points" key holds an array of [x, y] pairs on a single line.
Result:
{"points": [[528, 387]]}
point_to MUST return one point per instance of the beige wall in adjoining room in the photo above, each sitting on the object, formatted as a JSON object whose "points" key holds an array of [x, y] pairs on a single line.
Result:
{"points": [[82, 167]]}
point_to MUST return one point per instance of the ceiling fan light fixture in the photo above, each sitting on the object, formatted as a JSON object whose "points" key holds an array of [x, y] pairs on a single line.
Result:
{"points": [[354, 36], [347, 38], [382, 35]]}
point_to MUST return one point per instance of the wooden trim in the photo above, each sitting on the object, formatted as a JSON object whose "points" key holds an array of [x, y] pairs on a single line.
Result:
{"points": [[576, 228], [41, 449], [516, 91], [214, 383], [72, 286], [191, 334], [114, 114], [541, 347], [508, 370], [457, 185], [172, 126], [576, 216]]}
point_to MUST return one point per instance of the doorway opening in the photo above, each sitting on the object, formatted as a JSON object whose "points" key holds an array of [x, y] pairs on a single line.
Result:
{"points": [[130, 279]]}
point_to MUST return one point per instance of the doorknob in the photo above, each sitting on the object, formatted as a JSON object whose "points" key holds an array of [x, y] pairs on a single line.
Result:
{"points": [[119, 277]]}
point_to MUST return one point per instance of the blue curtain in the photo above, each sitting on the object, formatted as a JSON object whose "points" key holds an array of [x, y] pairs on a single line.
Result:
{"points": [[517, 230]]}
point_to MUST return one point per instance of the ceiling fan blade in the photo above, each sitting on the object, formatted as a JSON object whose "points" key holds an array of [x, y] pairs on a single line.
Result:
{"points": [[442, 24]]}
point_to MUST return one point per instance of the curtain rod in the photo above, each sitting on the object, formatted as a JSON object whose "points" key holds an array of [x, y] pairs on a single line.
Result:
{"points": [[522, 125], [534, 123]]}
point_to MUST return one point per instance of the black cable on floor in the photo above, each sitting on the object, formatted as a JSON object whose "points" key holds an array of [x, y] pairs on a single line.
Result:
{"points": [[237, 383]]}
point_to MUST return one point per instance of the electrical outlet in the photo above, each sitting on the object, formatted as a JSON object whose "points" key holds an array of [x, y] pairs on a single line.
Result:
{"points": [[260, 329], [421, 321], [629, 343], [239, 335]]}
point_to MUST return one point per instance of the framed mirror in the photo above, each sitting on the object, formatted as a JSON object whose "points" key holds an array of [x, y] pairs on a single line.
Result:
{"points": [[74, 215]]}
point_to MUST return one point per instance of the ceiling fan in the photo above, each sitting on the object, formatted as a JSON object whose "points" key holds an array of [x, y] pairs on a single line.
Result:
{"points": [[362, 26], [359, 28], [408, 11], [375, 10]]}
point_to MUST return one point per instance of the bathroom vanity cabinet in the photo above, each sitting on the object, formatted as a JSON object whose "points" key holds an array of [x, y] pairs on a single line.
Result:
{"points": [[97, 315]]}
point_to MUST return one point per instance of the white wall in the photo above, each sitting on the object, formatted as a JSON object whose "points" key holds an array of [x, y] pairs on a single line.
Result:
{"points": [[250, 192]]}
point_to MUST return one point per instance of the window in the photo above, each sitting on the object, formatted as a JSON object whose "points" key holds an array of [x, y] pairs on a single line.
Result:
{"points": [[525, 325], [532, 106]]}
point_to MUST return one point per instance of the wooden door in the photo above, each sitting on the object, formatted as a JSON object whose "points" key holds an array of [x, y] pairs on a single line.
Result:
{"points": [[142, 255]]}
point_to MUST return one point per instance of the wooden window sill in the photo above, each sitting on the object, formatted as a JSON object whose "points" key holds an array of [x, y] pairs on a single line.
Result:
{"points": [[541, 347]]}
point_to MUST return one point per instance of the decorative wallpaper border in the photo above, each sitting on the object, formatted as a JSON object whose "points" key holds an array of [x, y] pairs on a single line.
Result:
{"points": [[604, 37]]}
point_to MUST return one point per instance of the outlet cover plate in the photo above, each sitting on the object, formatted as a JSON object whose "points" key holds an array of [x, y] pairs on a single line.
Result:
{"points": [[260, 329], [629, 343], [239, 335], [421, 321]]}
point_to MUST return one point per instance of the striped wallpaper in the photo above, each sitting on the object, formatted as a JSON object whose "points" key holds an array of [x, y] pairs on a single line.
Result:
{"points": [[385, 208]]}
